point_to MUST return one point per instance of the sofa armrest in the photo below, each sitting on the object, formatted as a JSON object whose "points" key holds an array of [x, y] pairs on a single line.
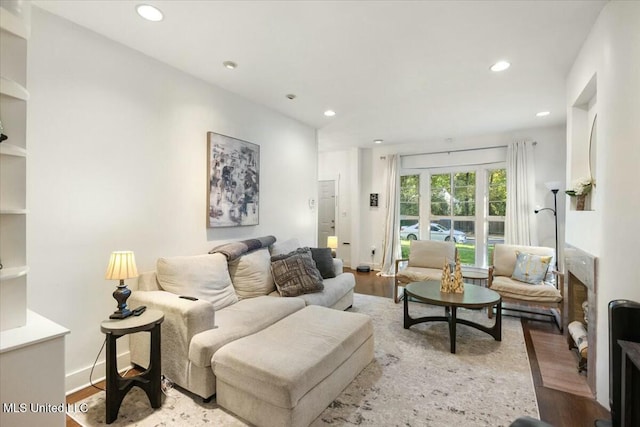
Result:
{"points": [[398, 261], [183, 319], [559, 281], [191, 317], [338, 266]]}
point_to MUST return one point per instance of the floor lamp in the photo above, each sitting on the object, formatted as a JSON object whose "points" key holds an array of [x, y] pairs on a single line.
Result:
{"points": [[554, 190]]}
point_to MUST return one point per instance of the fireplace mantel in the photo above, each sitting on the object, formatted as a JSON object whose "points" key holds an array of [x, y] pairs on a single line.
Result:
{"points": [[582, 265]]}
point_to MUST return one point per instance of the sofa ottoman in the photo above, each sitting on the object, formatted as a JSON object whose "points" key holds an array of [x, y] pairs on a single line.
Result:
{"points": [[288, 373]]}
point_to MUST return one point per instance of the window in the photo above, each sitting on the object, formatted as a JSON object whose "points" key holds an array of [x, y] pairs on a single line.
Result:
{"points": [[497, 207], [464, 204], [453, 211], [409, 211]]}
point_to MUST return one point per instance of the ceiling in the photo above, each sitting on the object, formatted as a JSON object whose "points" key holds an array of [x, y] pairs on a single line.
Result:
{"points": [[401, 71]]}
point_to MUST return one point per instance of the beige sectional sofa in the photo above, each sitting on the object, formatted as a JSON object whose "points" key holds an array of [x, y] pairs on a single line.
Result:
{"points": [[194, 330]]}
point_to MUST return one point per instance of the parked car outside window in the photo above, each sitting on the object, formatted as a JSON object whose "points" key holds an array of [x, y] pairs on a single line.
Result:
{"points": [[437, 232]]}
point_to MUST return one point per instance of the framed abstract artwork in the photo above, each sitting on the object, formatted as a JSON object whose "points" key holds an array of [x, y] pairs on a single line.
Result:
{"points": [[233, 187]]}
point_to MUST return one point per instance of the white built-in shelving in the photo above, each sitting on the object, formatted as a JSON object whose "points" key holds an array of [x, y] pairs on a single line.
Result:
{"points": [[12, 150], [13, 89], [13, 272], [29, 342], [15, 31]]}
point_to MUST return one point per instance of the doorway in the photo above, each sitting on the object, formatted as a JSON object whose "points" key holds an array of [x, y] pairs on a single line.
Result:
{"points": [[326, 211]]}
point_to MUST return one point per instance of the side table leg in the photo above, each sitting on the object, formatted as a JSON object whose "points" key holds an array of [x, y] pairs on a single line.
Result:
{"points": [[452, 328], [113, 395], [153, 374], [156, 367]]}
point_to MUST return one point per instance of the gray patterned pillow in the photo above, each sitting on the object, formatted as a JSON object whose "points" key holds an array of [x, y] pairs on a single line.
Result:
{"points": [[296, 273]]}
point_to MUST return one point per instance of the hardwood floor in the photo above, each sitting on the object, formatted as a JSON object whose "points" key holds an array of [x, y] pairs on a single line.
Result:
{"points": [[557, 408]]}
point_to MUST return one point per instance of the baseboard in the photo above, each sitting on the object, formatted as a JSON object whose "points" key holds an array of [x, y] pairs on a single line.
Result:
{"points": [[79, 379]]}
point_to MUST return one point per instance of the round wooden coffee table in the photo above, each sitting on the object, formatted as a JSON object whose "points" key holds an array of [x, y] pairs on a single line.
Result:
{"points": [[473, 297]]}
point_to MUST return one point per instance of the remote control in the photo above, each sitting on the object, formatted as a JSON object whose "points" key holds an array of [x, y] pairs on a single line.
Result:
{"points": [[188, 297], [138, 311]]}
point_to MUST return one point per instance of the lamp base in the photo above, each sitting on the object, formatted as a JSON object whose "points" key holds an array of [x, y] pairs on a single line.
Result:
{"points": [[121, 294]]}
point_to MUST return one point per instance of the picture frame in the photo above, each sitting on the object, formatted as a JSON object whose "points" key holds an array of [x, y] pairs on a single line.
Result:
{"points": [[233, 182]]}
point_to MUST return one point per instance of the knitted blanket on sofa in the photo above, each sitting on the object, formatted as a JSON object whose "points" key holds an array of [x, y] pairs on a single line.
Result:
{"points": [[233, 250]]}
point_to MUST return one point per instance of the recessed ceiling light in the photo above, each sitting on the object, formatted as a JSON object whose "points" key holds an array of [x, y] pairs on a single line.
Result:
{"points": [[543, 113], [150, 13], [500, 66], [377, 141], [329, 113], [291, 96], [230, 65]]}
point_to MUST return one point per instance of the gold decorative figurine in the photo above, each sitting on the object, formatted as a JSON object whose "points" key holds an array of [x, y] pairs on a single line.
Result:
{"points": [[445, 282], [457, 283]]}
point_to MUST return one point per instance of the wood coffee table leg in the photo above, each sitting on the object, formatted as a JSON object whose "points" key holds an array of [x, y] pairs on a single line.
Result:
{"points": [[452, 328], [498, 326], [407, 324]]}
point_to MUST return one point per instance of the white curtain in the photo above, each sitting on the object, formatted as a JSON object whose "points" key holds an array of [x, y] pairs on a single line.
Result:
{"points": [[391, 246], [520, 180]]}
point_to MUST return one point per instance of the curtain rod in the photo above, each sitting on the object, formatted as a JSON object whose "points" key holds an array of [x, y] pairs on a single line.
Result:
{"points": [[461, 150]]}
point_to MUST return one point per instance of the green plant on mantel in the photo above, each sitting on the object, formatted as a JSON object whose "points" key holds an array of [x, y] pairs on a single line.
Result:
{"points": [[581, 187]]}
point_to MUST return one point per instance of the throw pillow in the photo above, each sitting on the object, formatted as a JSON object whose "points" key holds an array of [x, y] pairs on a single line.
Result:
{"points": [[531, 268], [205, 277], [285, 247], [295, 273], [251, 274], [324, 262]]}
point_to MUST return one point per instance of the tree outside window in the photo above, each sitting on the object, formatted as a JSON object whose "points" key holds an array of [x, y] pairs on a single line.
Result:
{"points": [[497, 208]]}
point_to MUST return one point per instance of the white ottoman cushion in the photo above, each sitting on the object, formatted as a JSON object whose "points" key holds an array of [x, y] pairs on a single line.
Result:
{"points": [[265, 376]]}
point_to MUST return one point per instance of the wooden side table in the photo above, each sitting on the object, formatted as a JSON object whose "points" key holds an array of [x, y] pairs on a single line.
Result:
{"points": [[117, 386], [475, 275]]}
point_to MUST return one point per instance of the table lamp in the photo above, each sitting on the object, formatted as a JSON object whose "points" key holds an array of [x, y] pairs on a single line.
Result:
{"points": [[332, 242], [122, 265]]}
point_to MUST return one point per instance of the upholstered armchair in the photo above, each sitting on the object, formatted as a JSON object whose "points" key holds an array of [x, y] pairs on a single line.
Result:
{"points": [[425, 262], [508, 276]]}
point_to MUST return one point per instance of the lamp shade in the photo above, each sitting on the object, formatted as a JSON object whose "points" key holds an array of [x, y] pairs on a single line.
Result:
{"points": [[122, 265], [332, 242]]}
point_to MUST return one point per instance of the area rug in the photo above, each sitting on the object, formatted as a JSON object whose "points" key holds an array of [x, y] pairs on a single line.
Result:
{"points": [[413, 381], [558, 364]]}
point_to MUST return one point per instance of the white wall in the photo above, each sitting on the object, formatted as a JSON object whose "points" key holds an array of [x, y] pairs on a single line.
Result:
{"points": [[549, 162], [610, 231], [117, 160]]}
